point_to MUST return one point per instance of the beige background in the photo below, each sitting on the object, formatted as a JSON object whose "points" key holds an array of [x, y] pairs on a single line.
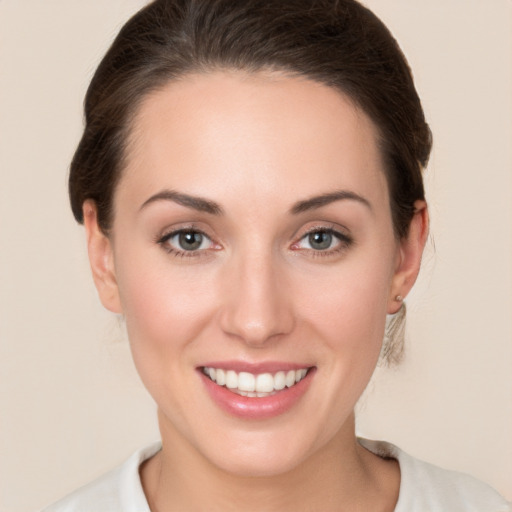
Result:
{"points": [[71, 404]]}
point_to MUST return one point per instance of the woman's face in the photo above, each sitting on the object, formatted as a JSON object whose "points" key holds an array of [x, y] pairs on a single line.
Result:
{"points": [[252, 239]]}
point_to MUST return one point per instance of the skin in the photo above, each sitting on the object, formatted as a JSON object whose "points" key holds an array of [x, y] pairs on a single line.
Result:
{"points": [[256, 290]]}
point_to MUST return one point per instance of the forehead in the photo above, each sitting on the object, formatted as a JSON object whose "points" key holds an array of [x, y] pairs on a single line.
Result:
{"points": [[253, 133]]}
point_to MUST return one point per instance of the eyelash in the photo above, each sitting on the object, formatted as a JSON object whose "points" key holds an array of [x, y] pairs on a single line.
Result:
{"points": [[344, 242], [164, 239]]}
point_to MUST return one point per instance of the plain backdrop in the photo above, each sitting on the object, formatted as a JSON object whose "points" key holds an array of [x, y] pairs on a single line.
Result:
{"points": [[71, 404]]}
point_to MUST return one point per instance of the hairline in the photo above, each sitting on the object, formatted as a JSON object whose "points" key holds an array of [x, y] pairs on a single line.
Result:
{"points": [[271, 72]]}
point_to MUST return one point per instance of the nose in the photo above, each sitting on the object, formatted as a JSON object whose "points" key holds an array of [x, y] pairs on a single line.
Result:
{"points": [[257, 304]]}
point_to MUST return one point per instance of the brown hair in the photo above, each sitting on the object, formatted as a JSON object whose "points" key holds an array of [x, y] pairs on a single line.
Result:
{"points": [[339, 43]]}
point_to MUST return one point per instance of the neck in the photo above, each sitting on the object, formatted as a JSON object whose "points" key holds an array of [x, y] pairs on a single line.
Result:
{"points": [[341, 476]]}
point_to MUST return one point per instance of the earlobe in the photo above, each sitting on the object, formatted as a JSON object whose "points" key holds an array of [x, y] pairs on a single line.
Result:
{"points": [[409, 257], [101, 259]]}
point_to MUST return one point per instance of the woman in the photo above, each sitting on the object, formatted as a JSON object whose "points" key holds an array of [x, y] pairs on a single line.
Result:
{"points": [[249, 180]]}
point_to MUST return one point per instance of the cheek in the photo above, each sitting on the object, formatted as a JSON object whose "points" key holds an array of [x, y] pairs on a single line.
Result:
{"points": [[165, 310], [160, 306], [349, 316], [155, 290], [350, 304], [353, 332]]}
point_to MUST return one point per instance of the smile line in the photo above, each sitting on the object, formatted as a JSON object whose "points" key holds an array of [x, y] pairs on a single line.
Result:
{"points": [[250, 385]]}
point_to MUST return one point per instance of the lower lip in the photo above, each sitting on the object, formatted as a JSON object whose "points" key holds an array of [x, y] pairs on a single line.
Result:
{"points": [[257, 407]]}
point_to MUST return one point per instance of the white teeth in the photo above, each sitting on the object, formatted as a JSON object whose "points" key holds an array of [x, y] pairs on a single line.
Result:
{"points": [[290, 379], [264, 383], [231, 379], [279, 380], [247, 384], [221, 377], [246, 381]]}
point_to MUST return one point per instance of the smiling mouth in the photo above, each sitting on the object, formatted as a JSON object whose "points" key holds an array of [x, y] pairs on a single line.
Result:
{"points": [[255, 386]]}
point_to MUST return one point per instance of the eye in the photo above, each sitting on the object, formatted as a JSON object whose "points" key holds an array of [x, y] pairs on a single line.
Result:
{"points": [[323, 240], [186, 242], [320, 240]]}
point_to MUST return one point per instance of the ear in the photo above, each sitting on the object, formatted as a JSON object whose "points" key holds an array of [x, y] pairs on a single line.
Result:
{"points": [[101, 259], [409, 256]]}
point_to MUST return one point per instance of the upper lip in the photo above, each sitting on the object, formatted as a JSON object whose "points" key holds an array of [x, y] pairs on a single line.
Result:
{"points": [[256, 368]]}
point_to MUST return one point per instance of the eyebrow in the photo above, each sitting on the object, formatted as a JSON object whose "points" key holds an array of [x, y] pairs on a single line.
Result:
{"points": [[197, 203], [325, 199], [213, 208]]}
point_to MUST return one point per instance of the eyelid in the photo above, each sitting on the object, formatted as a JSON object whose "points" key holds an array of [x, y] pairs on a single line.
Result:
{"points": [[329, 227], [339, 232], [176, 231], [163, 238], [344, 238]]}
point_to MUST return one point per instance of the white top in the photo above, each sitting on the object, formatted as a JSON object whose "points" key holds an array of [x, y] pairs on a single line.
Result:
{"points": [[423, 487]]}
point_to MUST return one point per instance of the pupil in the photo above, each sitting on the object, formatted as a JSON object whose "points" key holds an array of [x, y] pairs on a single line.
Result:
{"points": [[320, 240], [190, 241]]}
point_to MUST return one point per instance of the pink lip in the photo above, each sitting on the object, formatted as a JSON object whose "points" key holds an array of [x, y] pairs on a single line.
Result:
{"points": [[255, 368], [253, 408]]}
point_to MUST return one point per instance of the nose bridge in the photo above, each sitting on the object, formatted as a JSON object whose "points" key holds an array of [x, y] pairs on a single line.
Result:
{"points": [[257, 306]]}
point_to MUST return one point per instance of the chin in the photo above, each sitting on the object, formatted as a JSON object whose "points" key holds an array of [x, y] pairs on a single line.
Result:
{"points": [[264, 453], [257, 461]]}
